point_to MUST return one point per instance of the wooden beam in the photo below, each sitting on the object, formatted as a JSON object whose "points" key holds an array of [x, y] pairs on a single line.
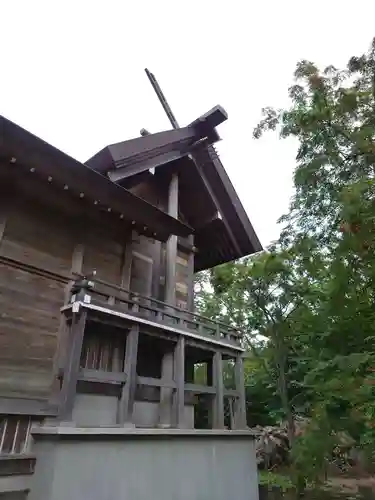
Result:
{"points": [[7, 200], [200, 389], [207, 342], [63, 331], [127, 263], [77, 259], [126, 403], [191, 277], [232, 393], [166, 393], [179, 378], [38, 271], [71, 371], [156, 268], [199, 162], [171, 248], [156, 382], [218, 400], [3, 219], [25, 406], [240, 403], [101, 376]]}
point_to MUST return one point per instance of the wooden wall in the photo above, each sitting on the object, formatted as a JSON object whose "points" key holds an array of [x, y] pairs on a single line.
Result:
{"points": [[157, 193], [40, 247]]}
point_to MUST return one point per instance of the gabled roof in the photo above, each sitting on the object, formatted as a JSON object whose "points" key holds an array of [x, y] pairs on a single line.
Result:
{"points": [[25, 152], [230, 235], [208, 200]]}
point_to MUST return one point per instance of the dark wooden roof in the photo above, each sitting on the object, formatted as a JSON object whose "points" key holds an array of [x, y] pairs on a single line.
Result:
{"points": [[230, 235], [137, 155], [26, 152], [208, 199]]}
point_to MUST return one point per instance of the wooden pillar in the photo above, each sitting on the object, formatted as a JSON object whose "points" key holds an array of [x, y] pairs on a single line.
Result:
{"points": [[63, 347], [218, 399], [71, 370], [171, 249], [191, 277], [126, 402], [127, 261], [7, 194], [166, 393], [77, 258], [3, 218], [179, 378], [240, 405]]}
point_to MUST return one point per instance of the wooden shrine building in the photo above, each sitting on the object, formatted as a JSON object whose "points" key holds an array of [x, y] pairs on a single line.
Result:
{"points": [[97, 262]]}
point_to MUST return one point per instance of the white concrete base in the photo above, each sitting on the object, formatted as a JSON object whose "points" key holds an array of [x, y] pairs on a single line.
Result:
{"points": [[143, 464]]}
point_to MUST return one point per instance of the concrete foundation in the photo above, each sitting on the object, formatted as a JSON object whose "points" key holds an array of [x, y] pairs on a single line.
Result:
{"points": [[143, 464]]}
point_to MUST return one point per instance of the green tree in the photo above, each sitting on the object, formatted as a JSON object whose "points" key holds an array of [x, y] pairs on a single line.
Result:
{"points": [[312, 295], [332, 115]]}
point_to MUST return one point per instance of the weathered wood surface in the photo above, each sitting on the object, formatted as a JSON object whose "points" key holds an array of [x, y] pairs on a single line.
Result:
{"points": [[39, 237], [36, 230], [29, 321], [103, 254]]}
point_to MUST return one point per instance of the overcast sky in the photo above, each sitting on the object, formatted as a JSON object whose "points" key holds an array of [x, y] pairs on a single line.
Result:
{"points": [[72, 73]]}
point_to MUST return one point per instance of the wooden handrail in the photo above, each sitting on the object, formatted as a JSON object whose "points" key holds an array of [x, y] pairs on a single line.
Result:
{"points": [[199, 318], [66, 277]]}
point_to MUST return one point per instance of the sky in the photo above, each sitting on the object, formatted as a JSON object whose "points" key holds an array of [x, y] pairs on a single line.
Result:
{"points": [[72, 72]]}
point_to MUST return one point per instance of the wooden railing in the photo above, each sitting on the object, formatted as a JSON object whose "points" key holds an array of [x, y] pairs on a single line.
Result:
{"points": [[14, 434], [117, 297]]}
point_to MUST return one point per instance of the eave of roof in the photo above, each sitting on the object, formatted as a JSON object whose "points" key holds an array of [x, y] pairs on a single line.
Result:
{"points": [[129, 160], [234, 216], [30, 152]]}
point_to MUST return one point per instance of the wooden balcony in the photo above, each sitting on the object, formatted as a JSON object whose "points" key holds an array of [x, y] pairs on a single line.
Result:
{"points": [[127, 346], [120, 300]]}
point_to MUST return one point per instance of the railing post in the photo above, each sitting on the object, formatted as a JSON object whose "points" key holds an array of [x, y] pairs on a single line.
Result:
{"points": [[179, 378], [240, 406], [218, 331], [218, 399], [171, 249], [71, 369], [126, 403], [166, 392]]}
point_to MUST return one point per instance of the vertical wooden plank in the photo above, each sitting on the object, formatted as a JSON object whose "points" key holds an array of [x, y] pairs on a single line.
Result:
{"points": [[156, 271], [218, 382], [210, 400], [69, 387], [4, 210], [126, 402], [240, 405], [63, 332], [77, 258], [166, 393], [191, 277], [127, 263], [171, 249], [3, 218], [179, 378]]}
